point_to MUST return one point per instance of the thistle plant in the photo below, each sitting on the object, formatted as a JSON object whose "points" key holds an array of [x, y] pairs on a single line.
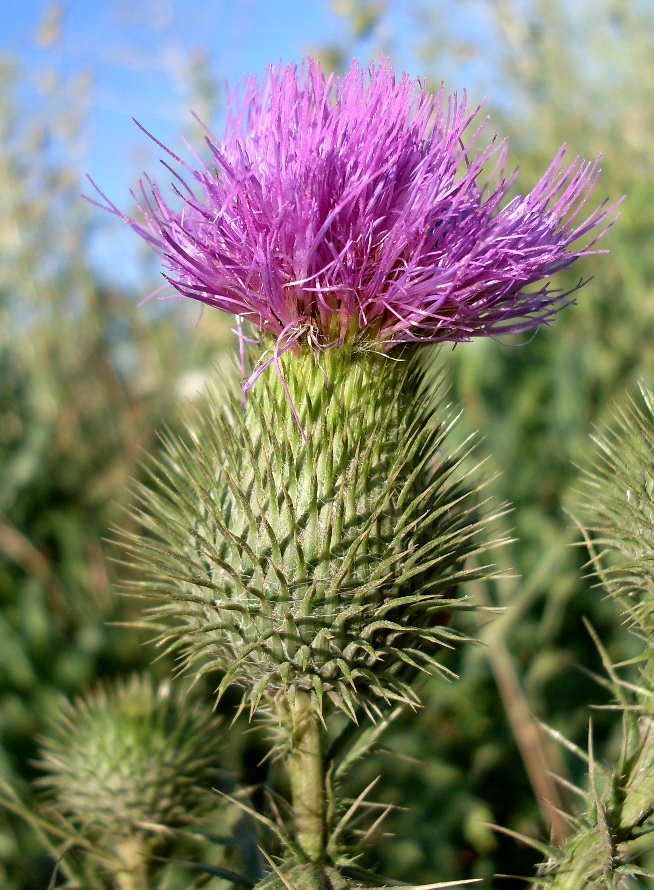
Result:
{"points": [[310, 535]]}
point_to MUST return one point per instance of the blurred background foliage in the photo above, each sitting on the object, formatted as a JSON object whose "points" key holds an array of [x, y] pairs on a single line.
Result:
{"points": [[87, 378]]}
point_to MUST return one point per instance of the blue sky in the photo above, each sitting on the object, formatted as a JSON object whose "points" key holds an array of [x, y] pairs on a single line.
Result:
{"points": [[137, 50], [137, 53]]}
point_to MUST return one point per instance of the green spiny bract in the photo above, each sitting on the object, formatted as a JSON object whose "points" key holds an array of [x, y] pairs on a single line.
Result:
{"points": [[311, 877], [619, 493], [617, 824], [616, 827], [306, 877], [324, 557], [127, 759]]}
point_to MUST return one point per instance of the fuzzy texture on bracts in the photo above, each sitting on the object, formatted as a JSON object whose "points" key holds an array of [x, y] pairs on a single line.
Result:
{"points": [[129, 759], [328, 563]]}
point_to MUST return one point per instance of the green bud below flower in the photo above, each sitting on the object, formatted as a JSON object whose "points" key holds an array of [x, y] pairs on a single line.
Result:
{"points": [[323, 555]]}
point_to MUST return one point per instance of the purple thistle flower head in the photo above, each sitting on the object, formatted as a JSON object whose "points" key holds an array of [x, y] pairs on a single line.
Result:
{"points": [[347, 209]]}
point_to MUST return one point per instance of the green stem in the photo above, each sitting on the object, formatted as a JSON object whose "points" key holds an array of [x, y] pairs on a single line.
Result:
{"points": [[305, 769], [132, 872]]}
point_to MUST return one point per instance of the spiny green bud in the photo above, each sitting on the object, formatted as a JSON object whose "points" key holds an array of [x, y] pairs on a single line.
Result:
{"points": [[312, 877], [602, 852], [129, 757], [618, 491], [586, 863], [314, 538], [598, 856], [307, 877]]}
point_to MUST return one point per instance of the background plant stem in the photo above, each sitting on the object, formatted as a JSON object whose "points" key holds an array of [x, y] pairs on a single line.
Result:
{"points": [[133, 875]]}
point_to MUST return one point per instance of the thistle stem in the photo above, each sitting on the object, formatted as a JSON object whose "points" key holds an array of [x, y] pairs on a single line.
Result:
{"points": [[132, 874], [305, 769]]}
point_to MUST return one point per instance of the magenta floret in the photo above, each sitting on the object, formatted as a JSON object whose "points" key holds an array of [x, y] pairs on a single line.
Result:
{"points": [[345, 208]]}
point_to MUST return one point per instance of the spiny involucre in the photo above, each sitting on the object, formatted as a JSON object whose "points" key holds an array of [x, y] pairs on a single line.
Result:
{"points": [[127, 758], [327, 563], [351, 207]]}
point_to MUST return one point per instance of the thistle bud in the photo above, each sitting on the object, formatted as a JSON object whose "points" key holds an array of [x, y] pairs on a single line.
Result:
{"points": [[128, 758], [306, 877], [316, 539], [618, 493]]}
